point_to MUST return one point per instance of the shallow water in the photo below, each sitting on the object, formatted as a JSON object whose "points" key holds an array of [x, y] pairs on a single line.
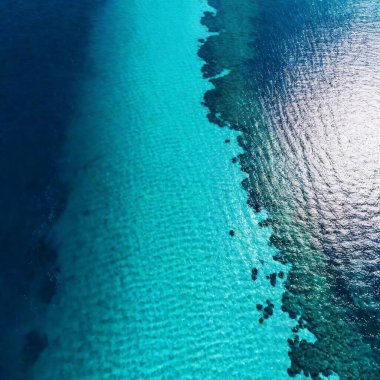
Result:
{"points": [[152, 283]]}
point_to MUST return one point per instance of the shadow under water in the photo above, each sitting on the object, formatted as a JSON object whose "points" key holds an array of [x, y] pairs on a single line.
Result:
{"points": [[42, 45], [303, 90]]}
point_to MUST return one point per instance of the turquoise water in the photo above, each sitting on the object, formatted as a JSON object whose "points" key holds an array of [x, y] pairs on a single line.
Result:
{"points": [[152, 283]]}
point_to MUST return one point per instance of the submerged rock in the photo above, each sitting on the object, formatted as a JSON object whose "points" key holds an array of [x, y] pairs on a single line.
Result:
{"points": [[268, 311], [273, 279]]}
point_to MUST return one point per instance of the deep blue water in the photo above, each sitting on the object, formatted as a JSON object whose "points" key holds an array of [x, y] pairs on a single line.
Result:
{"points": [[305, 95], [314, 66], [42, 47]]}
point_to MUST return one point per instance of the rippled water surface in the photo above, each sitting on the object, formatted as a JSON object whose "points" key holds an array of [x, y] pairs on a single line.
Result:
{"points": [[319, 103], [308, 104], [141, 241]]}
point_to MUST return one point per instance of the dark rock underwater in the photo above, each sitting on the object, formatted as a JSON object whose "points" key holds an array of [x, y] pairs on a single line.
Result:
{"points": [[310, 142]]}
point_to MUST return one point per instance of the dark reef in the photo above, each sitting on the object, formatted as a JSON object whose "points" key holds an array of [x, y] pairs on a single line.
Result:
{"points": [[254, 274], [255, 42], [272, 278]]}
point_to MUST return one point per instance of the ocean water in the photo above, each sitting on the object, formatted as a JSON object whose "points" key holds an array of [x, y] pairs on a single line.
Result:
{"points": [[42, 50], [304, 92], [152, 285], [190, 189]]}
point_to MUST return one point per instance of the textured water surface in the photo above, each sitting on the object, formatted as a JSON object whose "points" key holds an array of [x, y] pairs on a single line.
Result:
{"points": [[304, 91], [139, 239]]}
